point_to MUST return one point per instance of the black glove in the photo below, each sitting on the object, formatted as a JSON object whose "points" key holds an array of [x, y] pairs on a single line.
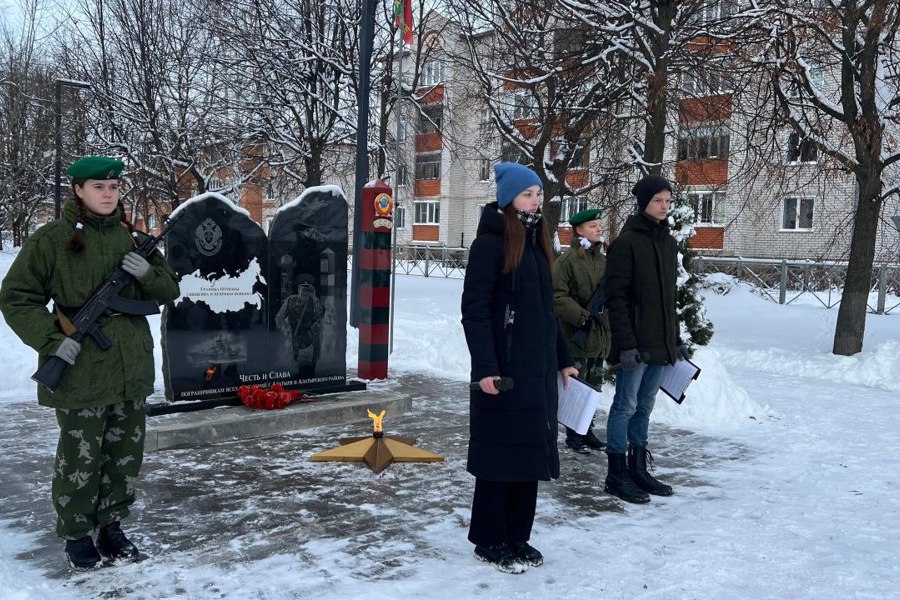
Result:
{"points": [[629, 359], [682, 352], [68, 350]]}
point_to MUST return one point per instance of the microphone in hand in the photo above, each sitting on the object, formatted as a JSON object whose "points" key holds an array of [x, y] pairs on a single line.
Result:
{"points": [[503, 384]]}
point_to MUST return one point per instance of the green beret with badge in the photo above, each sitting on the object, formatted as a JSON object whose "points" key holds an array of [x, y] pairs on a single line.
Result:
{"points": [[96, 167], [584, 216]]}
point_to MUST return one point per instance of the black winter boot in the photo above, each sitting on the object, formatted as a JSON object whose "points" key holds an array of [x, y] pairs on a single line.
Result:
{"points": [[618, 482], [502, 557], [638, 461], [528, 553], [577, 442], [112, 543], [82, 554], [593, 441]]}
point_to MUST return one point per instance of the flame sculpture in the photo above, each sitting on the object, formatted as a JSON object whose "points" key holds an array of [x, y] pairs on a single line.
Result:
{"points": [[377, 450]]}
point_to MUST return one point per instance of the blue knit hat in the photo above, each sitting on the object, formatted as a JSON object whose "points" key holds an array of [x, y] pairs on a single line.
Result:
{"points": [[512, 180]]}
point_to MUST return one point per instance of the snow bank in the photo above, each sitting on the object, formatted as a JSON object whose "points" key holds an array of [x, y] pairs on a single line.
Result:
{"points": [[18, 580]]}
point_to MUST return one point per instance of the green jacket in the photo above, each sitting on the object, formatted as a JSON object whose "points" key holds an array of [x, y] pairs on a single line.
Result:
{"points": [[44, 270], [574, 280]]}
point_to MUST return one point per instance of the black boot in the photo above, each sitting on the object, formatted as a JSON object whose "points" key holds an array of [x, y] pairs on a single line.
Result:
{"points": [[638, 461], [82, 554], [593, 441], [618, 482], [577, 442], [528, 553], [112, 543], [502, 557]]}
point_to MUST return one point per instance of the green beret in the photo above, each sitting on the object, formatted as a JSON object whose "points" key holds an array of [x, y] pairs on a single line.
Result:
{"points": [[585, 216], [96, 167]]}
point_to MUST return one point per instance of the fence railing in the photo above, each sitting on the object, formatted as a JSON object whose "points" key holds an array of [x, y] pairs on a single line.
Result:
{"points": [[785, 281], [782, 281]]}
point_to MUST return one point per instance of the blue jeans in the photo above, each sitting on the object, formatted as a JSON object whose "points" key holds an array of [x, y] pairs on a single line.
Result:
{"points": [[629, 415]]}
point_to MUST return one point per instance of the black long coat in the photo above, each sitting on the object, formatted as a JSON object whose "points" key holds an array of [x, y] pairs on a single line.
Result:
{"points": [[641, 266], [512, 434]]}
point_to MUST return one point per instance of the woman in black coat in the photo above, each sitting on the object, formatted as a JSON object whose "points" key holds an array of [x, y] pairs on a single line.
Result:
{"points": [[512, 331]]}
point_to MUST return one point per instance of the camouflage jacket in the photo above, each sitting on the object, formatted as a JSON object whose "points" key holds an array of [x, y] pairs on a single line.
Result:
{"points": [[44, 270], [574, 280]]}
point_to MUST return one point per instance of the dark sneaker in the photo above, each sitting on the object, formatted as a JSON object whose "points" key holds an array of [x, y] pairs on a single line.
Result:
{"points": [[112, 543], [82, 554], [502, 558], [577, 444], [528, 553], [593, 441]]}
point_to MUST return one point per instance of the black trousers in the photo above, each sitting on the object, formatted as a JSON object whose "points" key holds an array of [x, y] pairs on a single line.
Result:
{"points": [[502, 511]]}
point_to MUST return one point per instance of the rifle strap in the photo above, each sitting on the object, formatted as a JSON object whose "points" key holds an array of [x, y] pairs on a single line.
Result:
{"points": [[64, 323]]}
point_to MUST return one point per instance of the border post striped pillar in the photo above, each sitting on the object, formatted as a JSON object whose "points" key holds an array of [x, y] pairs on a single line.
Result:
{"points": [[375, 279]]}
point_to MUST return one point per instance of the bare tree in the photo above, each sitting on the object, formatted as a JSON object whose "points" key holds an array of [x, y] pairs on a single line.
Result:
{"points": [[851, 116], [26, 121], [549, 86], [157, 96]]}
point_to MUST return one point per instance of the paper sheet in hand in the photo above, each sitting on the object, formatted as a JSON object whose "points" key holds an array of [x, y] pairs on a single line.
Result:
{"points": [[577, 404], [677, 377]]}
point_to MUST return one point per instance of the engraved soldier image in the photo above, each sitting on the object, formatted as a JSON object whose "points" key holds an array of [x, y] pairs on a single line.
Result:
{"points": [[300, 320]]}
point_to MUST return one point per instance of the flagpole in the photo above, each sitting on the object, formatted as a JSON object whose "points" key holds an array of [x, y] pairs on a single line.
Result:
{"points": [[397, 157]]}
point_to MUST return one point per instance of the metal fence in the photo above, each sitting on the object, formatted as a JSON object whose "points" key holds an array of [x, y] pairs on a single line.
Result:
{"points": [[785, 281], [782, 281]]}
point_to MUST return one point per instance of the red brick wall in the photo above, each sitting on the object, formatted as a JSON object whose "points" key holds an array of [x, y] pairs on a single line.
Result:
{"points": [[577, 178], [427, 187], [565, 236], [433, 96], [708, 237], [429, 142], [710, 108], [712, 171], [426, 233]]}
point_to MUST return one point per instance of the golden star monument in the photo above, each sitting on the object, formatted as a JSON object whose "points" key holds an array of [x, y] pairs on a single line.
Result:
{"points": [[377, 450]]}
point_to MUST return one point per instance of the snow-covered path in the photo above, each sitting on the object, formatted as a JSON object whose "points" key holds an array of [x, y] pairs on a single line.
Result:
{"points": [[784, 458]]}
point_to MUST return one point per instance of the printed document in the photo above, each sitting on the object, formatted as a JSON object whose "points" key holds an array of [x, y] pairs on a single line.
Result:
{"points": [[577, 404], [677, 377]]}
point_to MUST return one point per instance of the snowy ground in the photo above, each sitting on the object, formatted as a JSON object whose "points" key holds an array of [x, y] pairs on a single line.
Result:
{"points": [[784, 458]]}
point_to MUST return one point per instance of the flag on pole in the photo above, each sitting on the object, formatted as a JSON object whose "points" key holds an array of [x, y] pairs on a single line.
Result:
{"points": [[403, 19]]}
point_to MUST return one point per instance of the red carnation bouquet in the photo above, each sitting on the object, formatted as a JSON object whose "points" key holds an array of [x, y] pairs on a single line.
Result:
{"points": [[270, 398]]}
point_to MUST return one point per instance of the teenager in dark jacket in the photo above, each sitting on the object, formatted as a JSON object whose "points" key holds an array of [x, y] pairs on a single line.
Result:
{"points": [[576, 276], [100, 399], [512, 331], [640, 302]]}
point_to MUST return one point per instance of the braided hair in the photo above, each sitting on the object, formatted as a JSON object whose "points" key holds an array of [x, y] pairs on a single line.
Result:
{"points": [[75, 243]]}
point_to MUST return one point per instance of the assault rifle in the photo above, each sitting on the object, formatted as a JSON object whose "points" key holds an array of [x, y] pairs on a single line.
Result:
{"points": [[104, 301], [595, 307]]}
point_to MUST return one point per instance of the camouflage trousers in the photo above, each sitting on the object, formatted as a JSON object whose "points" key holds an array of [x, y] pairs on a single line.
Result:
{"points": [[98, 458], [590, 370]]}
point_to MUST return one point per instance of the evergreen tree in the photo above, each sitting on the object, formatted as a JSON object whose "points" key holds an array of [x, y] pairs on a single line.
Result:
{"points": [[696, 329]]}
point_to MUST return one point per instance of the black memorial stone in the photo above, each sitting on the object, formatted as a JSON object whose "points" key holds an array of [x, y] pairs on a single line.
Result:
{"points": [[254, 310]]}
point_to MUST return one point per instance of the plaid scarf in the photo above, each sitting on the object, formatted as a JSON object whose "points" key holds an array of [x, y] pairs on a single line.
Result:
{"points": [[529, 220]]}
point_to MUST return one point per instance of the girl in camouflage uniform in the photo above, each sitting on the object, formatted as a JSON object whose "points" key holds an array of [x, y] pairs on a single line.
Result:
{"points": [[100, 400], [576, 275]]}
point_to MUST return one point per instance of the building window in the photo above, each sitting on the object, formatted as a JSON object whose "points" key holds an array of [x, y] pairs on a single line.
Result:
{"points": [[510, 152], [712, 80], [151, 221], [524, 106], [432, 72], [400, 217], [581, 158], [428, 166], [702, 143], [800, 150], [797, 214], [709, 207], [427, 213], [719, 9], [402, 134], [571, 205], [484, 171], [431, 119]]}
